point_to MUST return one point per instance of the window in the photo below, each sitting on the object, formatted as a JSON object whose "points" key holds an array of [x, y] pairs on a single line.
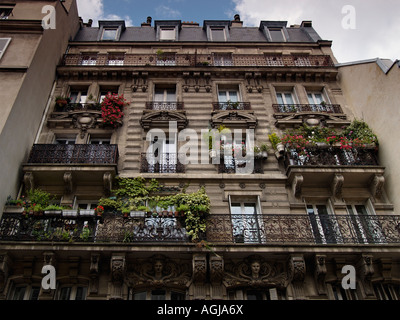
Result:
{"points": [[246, 221], [218, 34], [3, 45], [72, 293], [228, 94], [163, 156], [65, 141], [164, 94], [5, 13], [323, 224], [223, 59], [341, 294], [317, 100], [167, 33], [286, 100], [276, 34], [268, 294], [386, 291], [99, 141], [156, 295], [365, 225], [89, 60], [109, 34], [78, 95], [24, 292], [116, 59]]}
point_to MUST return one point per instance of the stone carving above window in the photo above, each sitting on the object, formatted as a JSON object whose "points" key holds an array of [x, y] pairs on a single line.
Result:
{"points": [[232, 119], [162, 118], [255, 272]]}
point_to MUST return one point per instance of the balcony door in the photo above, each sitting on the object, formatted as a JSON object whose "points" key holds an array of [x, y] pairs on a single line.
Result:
{"points": [[323, 224], [164, 98], [246, 222], [163, 155]]}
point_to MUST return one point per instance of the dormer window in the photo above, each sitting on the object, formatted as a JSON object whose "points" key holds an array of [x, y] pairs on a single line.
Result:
{"points": [[276, 34], [217, 30], [167, 33], [275, 31], [167, 30], [218, 34], [110, 30], [109, 34]]}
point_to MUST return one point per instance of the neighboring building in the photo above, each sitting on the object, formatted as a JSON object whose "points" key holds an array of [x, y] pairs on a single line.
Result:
{"points": [[371, 88], [283, 230], [29, 55]]}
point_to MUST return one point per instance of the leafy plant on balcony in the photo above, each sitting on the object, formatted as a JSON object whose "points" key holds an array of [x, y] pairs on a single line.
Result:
{"points": [[111, 108]]}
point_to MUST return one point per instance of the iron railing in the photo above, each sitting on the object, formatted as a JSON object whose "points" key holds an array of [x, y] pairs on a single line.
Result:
{"points": [[288, 228], [78, 107], [332, 156], [294, 108], [230, 164], [221, 228], [161, 163], [199, 60], [73, 154], [155, 105], [231, 106]]}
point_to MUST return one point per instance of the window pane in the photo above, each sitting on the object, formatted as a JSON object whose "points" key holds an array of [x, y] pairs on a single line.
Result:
{"points": [[177, 296], [80, 293], [109, 34], [218, 34], [139, 296], [158, 295], [222, 96], [279, 97], [34, 293], [167, 34], [289, 98], [233, 96], [19, 293], [65, 293], [254, 295], [236, 208], [250, 208]]}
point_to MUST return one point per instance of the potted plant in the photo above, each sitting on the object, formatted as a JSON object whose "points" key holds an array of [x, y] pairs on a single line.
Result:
{"points": [[264, 150], [99, 210], [62, 102], [257, 152], [126, 212], [53, 210], [277, 145]]}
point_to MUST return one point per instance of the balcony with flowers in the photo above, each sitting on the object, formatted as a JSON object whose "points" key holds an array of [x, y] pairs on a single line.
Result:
{"points": [[350, 153]]}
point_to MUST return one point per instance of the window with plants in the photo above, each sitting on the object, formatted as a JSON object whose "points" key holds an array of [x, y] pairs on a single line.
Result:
{"points": [[112, 109]]}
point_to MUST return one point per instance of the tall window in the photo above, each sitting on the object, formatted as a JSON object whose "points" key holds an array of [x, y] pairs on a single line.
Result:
{"points": [[246, 222], [323, 224], [78, 95], [365, 225], [24, 292], [341, 294], [317, 100], [164, 158], [72, 293], [226, 94], [386, 291], [3, 45], [164, 98]]}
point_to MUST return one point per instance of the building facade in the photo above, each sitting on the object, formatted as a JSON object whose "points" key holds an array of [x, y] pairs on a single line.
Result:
{"points": [[29, 54], [129, 106]]}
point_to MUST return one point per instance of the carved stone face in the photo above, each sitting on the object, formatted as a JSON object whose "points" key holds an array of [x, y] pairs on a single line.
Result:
{"points": [[255, 269], [158, 267]]}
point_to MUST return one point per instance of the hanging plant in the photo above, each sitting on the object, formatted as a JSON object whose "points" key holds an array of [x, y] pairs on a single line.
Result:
{"points": [[111, 109]]}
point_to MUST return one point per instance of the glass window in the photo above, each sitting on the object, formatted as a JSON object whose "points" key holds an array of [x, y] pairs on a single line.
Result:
{"points": [[5, 13], [225, 95], [78, 96], [223, 59], [246, 222], [218, 34], [3, 45], [25, 293], [164, 94], [167, 33], [322, 223], [276, 35], [109, 34], [72, 293]]}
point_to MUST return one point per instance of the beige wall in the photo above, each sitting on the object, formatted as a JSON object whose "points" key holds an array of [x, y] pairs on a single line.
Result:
{"points": [[23, 105], [374, 97]]}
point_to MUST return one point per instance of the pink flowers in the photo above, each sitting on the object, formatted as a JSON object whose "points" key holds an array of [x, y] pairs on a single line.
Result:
{"points": [[111, 108]]}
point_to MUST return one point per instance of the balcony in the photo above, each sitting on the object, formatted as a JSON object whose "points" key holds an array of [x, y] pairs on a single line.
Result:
{"points": [[217, 106], [286, 228], [232, 165], [296, 108], [168, 106], [199, 60], [73, 154], [78, 107], [162, 163], [222, 228]]}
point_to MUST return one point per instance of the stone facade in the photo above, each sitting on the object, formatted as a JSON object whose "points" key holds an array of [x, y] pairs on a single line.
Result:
{"points": [[282, 231]]}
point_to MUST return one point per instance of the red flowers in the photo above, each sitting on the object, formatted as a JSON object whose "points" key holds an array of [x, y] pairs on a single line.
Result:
{"points": [[111, 108], [99, 210]]}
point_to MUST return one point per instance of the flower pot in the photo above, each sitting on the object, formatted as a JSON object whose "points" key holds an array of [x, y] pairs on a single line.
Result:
{"points": [[280, 148], [264, 154], [278, 155], [86, 212], [213, 154], [52, 212], [70, 213]]}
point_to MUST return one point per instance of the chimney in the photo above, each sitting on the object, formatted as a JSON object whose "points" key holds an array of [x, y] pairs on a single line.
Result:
{"points": [[147, 23], [236, 23], [191, 24]]}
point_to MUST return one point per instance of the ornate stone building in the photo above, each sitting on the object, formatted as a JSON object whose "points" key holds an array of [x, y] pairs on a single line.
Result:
{"points": [[283, 230]]}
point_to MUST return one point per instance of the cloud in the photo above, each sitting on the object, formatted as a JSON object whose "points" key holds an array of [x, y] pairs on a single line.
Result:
{"points": [[94, 9], [167, 12], [376, 23]]}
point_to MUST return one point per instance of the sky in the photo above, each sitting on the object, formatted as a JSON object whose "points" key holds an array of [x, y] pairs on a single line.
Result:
{"points": [[358, 29]]}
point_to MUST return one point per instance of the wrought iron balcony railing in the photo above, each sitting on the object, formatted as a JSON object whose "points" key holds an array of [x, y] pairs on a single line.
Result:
{"points": [[295, 108], [78, 107], [161, 163], [221, 228], [73, 154], [332, 156], [199, 60], [229, 164], [170, 106], [231, 106], [287, 228]]}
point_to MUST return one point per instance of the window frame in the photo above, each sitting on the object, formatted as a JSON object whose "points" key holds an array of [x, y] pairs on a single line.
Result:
{"points": [[3, 50], [321, 227], [275, 29], [105, 29], [149, 294], [28, 292], [216, 28], [72, 293], [164, 31], [4, 9]]}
